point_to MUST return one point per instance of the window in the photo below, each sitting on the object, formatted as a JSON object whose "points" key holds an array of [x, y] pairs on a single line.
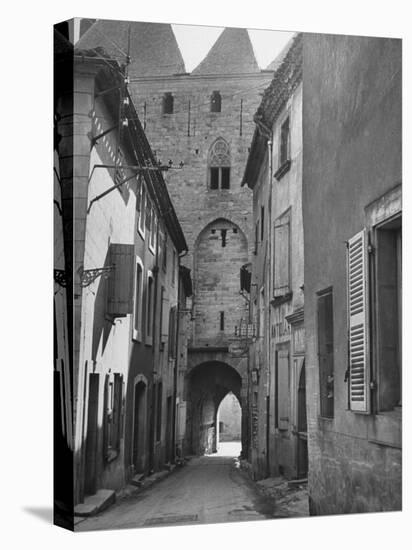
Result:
{"points": [[215, 102], [113, 390], [141, 205], [256, 237], [172, 332], [284, 142], [168, 103], [174, 267], [284, 149], [159, 411], [262, 222], [153, 229], [219, 165], [262, 313], [164, 318], [325, 352], [164, 258], [137, 310], [388, 293], [281, 256], [149, 308], [223, 234], [222, 320]]}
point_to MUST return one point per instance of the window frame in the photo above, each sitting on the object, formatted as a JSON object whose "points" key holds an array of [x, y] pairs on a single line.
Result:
{"points": [[284, 163], [137, 301], [152, 230], [221, 162], [141, 223], [149, 308]]}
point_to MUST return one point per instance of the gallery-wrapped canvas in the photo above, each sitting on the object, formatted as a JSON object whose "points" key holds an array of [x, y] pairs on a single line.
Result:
{"points": [[227, 274]]}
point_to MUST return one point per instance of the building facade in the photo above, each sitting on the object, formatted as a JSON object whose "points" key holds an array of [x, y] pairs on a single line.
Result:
{"points": [[352, 215], [204, 119], [277, 356], [122, 277]]}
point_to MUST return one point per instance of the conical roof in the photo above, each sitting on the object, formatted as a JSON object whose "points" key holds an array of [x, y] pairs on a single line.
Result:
{"points": [[153, 47], [232, 53]]}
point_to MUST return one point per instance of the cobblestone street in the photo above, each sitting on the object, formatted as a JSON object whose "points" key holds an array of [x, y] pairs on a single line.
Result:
{"points": [[209, 489]]}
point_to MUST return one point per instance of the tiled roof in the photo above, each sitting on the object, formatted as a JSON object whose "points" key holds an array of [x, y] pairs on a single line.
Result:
{"points": [[153, 47], [285, 80], [232, 53], [277, 62]]}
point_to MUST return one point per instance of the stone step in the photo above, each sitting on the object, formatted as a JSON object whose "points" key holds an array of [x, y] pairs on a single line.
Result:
{"points": [[137, 480], [93, 504]]}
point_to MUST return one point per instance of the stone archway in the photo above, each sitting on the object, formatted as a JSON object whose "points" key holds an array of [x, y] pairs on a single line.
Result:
{"points": [[208, 385]]}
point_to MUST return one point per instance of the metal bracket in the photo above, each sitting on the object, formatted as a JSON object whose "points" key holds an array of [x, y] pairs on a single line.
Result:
{"points": [[60, 277], [87, 276], [95, 139]]}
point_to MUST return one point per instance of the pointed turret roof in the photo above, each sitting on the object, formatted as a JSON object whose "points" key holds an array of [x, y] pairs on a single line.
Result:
{"points": [[232, 53], [153, 47]]}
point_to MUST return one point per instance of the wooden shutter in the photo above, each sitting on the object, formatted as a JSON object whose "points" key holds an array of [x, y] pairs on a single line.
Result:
{"points": [[283, 389], [120, 300], [282, 261], [358, 312]]}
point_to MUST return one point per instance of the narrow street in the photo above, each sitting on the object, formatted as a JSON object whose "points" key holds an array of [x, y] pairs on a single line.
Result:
{"points": [[209, 489]]}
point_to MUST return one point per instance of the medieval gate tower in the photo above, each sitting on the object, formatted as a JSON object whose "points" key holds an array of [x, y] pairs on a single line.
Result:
{"points": [[204, 119]]}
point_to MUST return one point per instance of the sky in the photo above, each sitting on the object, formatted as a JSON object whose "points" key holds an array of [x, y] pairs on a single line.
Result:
{"points": [[195, 41]]}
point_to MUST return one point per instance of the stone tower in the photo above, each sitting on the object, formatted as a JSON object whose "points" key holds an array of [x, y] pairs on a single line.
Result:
{"points": [[205, 119]]}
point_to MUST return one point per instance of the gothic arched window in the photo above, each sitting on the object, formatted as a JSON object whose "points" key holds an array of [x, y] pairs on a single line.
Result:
{"points": [[219, 165]]}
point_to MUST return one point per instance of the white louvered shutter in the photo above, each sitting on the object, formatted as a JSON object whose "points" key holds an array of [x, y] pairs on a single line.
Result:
{"points": [[358, 312]]}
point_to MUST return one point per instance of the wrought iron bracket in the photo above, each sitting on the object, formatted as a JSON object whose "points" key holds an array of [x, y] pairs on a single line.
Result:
{"points": [[88, 276], [95, 139], [60, 277]]}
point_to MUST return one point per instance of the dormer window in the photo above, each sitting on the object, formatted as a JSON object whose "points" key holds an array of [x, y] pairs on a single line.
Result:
{"points": [[168, 103], [215, 102]]}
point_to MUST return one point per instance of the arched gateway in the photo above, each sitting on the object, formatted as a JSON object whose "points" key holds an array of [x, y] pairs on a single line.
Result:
{"points": [[207, 385]]}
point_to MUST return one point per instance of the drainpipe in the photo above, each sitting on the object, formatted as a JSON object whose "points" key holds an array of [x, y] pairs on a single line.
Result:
{"points": [[268, 134], [269, 293]]}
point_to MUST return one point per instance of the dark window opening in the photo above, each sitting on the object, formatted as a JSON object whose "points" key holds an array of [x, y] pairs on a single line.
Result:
{"points": [[325, 353], [284, 142], [262, 222], [225, 183], [214, 178], [167, 104], [223, 235], [256, 237], [213, 231], [222, 320], [389, 314], [234, 230], [215, 102]]}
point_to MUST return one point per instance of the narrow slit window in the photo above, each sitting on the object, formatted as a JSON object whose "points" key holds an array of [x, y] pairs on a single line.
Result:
{"points": [[223, 233], [168, 103], [215, 102], [222, 320]]}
